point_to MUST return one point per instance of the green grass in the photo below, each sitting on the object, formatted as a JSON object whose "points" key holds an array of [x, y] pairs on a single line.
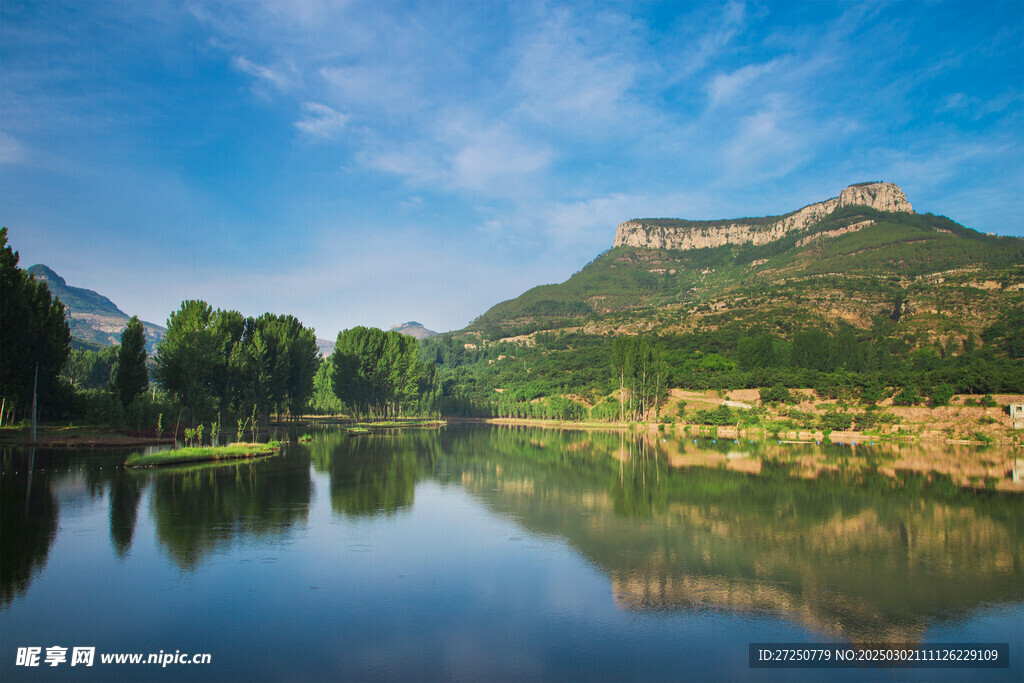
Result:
{"points": [[202, 454]]}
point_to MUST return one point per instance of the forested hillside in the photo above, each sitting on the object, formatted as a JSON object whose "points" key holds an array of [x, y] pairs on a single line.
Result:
{"points": [[860, 303]]}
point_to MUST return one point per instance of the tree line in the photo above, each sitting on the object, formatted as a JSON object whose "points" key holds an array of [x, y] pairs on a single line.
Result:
{"points": [[219, 362], [839, 361]]}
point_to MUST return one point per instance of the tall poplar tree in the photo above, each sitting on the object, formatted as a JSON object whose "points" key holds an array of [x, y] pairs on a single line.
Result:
{"points": [[189, 356], [131, 377]]}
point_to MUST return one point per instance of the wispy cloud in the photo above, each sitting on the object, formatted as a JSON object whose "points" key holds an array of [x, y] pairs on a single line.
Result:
{"points": [[494, 159], [279, 78], [414, 162], [571, 73], [725, 87], [976, 108], [321, 121]]}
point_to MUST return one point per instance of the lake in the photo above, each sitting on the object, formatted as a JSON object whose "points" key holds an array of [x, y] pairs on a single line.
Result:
{"points": [[497, 553]]}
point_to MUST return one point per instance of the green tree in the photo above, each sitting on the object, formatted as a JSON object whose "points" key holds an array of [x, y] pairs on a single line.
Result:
{"points": [[229, 328], [376, 372], [639, 369], [131, 377], [87, 369], [324, 400], [757, 351], [34, 333], [189, 356], [303, 363], [813, 350], [275, 364]]}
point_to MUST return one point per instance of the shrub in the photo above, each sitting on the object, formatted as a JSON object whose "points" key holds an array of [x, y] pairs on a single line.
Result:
{"points": [[836, 421], [907, 396], [869, 419], [941, 394], [777, 394], [722, 415]]}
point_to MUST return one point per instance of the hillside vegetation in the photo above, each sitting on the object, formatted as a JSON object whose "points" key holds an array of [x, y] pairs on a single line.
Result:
{"points": [[922, 262], [863, 305]]}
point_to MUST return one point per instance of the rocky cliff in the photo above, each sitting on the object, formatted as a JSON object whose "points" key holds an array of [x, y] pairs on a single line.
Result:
{"points": [[93, 318], [682, 235]]}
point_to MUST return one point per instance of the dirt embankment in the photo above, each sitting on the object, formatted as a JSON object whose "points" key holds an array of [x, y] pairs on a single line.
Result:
{"points": [[964, 420], [82, 437]]}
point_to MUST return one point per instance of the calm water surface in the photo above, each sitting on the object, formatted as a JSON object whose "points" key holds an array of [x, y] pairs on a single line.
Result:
{"points": [[495, 553]]}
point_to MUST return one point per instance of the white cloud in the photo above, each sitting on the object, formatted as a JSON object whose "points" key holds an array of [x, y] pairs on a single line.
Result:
{"points": [[770, 143], [976, 108], [321, 121], [491, 160], [495, 160], [412, 202], [713, 41], [937, 165], [280, 78]]}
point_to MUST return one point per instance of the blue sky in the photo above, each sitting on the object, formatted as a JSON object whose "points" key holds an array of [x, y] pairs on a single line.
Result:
{"points": [[376, 162]]}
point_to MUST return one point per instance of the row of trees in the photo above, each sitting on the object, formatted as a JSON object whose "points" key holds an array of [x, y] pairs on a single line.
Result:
{"points": [[212, 363], [380, 373], [216, 361], [639, 369]]}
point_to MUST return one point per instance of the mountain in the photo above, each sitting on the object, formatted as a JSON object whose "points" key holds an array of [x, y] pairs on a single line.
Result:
{"points": [[325, 347], [414, 329], [859, 258], [93, 318]]}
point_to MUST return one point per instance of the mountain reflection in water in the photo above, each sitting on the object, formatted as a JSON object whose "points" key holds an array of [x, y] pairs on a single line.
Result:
{"points": [[816, 537]]}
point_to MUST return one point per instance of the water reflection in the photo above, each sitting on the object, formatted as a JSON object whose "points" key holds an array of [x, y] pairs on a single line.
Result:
{"points": [[125, 492], [201, 508], [824, 538], [848, 555], [370, 476], [29, 512]]}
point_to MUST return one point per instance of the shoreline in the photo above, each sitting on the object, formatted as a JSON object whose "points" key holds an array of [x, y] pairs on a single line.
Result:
{"points": [[729, 432]]}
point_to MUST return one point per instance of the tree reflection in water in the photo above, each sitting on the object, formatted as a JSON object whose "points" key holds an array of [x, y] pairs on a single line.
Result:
{"points": [[201, 508], [849, 554]]}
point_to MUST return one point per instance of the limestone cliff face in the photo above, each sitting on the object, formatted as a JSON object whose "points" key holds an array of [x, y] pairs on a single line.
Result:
{"points": [[653, 234]]}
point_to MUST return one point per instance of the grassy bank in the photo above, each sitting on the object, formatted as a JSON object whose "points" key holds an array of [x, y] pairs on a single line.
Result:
{"points": [[203, 454]]}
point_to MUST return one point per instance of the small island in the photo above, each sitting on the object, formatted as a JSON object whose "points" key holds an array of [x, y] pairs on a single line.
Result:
{"points": [[202, 454]]}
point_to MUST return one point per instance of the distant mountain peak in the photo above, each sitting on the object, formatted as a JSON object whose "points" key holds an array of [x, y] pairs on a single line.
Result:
{"points": [[413, 329], [44, 272], [93, 318]]}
